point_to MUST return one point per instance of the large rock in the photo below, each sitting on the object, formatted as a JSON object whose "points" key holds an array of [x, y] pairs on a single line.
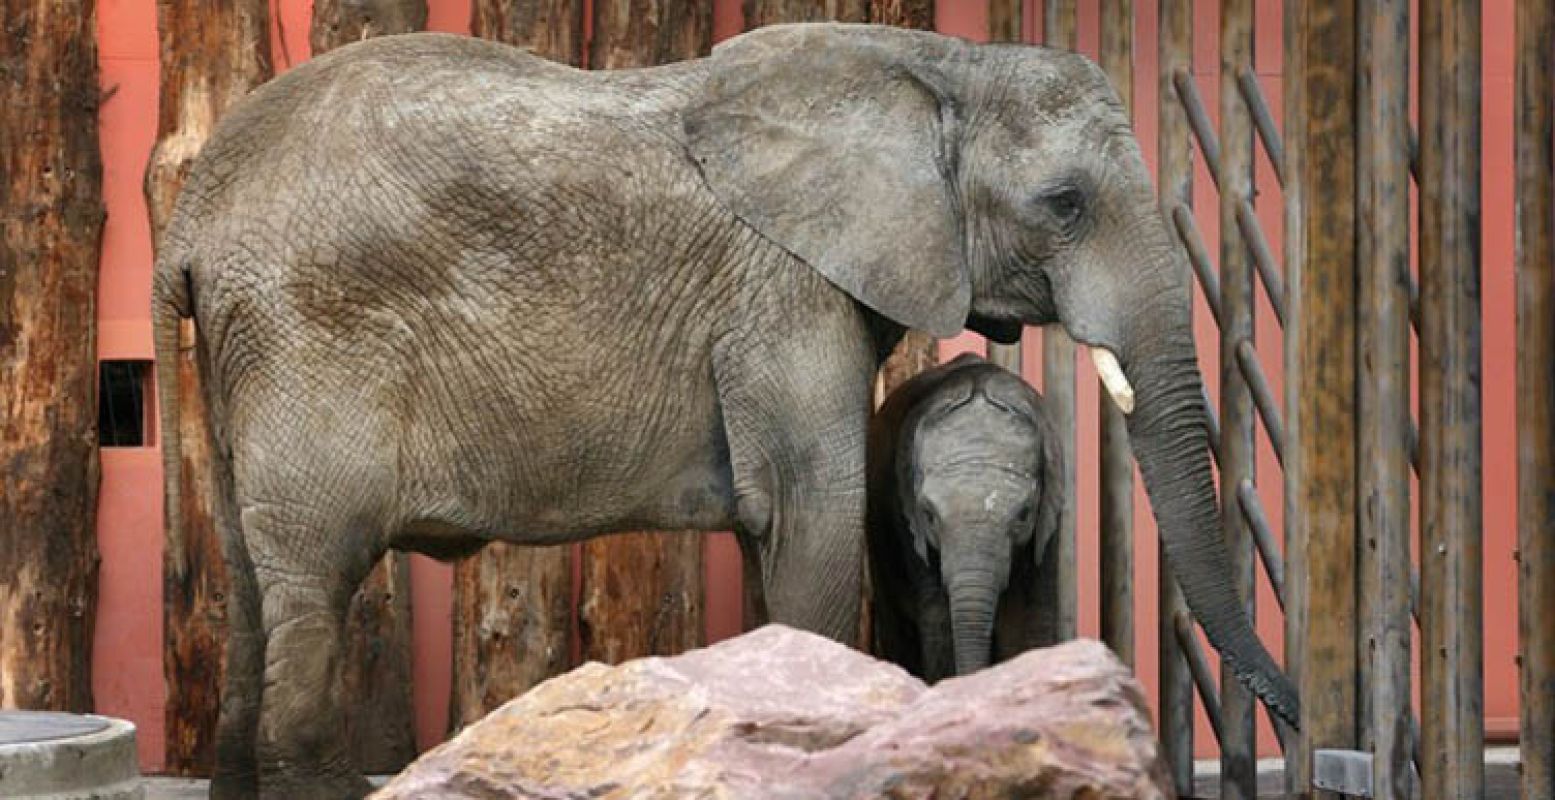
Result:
{"points": [[779, 713]]}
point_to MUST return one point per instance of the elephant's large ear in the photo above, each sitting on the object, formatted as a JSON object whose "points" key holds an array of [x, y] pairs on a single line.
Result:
{"points": [[825, 140]]}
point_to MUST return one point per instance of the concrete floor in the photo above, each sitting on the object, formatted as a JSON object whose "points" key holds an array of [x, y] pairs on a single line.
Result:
{"points": [[1500, 779]]}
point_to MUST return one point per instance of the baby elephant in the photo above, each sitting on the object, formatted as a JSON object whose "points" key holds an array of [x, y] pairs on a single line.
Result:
{"points": [[965, 478]]}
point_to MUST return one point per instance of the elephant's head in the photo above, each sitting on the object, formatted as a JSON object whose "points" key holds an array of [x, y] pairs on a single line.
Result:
{"points": [[978, 474], [945, 184]]}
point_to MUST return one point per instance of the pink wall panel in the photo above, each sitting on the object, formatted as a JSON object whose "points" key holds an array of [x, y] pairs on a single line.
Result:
{"points": [[127, 658]]}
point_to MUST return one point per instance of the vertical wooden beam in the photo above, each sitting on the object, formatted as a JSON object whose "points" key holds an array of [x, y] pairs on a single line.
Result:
{"points": [[51, 190], [1117, 458], [642, 592], [1004, 25], [1174, 168], [1536, 392], [917, 14], [512, 615], [1382, 175], [1062, 30], [376, 664], [1320, 370], [341, 22], [767, 12], [211, 56], [1451, 543], [1238, 443]]}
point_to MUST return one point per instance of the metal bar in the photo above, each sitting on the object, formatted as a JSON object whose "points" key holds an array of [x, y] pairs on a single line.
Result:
{"points": [[1263, 396], [1320, 469], [1382, 187], [1058, 387], [1198, 258], [1451, 539], [1198, 121], [1263, 537], [1198, 667], [1263, 119], [1174, 180], [1263, 257], [1536, 392], [1238, 446]]}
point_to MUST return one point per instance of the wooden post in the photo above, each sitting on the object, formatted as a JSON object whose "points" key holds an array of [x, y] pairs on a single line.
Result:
{"points": [[1004, 25], [376, 663], [512, 616], [1320, 370], [767, 12], [211, 57], [1174, 168], [1238, 444], [1061, 27], [1536, 392], [1451, 640], [1117, 458], [642, 592], [341, 22], [49, 242], [1382, 184]]}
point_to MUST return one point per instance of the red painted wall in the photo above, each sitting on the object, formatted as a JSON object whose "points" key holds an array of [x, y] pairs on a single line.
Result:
{"points": [[127, 660]]}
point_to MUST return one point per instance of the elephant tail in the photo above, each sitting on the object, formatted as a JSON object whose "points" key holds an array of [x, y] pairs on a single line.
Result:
{"points": [[171, 304]]}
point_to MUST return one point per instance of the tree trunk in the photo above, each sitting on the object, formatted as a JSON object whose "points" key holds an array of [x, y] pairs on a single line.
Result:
{"points": [[376, 664], [513, 604], [52, 184], [211, 56], [643, 592], [340, 22], [768, 12]]}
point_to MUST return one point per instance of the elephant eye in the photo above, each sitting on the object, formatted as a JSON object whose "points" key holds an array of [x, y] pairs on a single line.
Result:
{"points": [[1065, 204]]}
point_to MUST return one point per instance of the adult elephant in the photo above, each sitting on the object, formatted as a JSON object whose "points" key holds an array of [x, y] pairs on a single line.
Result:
{"points": [[450, 293]]}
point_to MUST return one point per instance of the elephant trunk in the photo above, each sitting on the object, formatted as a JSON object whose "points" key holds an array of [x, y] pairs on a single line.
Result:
{"points": [[1169, 436], [973, 597]]}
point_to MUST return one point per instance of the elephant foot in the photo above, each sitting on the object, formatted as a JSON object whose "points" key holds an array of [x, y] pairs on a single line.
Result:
{"points": [[234, 786], [318, 787]]}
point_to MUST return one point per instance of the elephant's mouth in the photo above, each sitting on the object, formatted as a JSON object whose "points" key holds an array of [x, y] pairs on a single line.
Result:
{"points": [[1003, 331]]}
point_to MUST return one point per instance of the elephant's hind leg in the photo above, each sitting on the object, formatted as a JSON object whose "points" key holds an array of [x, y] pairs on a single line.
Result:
{"points": [[302, 749], [237, 770]]}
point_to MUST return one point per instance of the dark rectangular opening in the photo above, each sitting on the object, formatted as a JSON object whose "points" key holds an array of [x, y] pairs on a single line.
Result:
{"points": [[123, 392]]}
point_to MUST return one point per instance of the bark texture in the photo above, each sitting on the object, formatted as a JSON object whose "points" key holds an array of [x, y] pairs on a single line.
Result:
{"points": [[513, 604], [768, 12], [376, 662], [52, 228], [643, 592], [341, 22], [211, 56]]}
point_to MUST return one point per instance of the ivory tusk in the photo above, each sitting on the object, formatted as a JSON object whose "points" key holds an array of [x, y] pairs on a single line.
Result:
{"points": [[1112, 377]]}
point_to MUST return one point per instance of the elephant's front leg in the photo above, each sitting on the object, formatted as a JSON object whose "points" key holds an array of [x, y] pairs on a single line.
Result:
{"points": [[795, 413]]}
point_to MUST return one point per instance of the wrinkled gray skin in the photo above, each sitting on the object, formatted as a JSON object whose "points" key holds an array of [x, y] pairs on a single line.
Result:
{"points": [[449, 293], [965, 494]]}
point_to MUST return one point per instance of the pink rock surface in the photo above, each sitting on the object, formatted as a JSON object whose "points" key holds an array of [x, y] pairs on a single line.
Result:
{"points": [[778, 713]]}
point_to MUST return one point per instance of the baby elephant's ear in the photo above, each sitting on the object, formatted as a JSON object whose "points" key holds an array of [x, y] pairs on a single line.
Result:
{"points": [[833, 143], [1051, 506]]}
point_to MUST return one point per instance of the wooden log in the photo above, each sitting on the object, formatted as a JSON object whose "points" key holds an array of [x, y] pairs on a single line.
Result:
{"points": [[1062, 29], [1117, 457], [767, 12], [1382, 314], [513, 604], [211, 56], [1238, 442], [917, 14], [49, 243], [341, 22], [376, 663], [1174, 182], [1320, 466], [643, 592], [1451, 538], [1536, 393]]}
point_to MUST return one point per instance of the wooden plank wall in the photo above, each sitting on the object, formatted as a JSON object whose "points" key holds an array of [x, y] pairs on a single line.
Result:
{"points": [[51, 190]]}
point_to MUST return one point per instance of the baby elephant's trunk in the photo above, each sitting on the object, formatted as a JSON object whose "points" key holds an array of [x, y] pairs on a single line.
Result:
{"points": [[974, 594]]}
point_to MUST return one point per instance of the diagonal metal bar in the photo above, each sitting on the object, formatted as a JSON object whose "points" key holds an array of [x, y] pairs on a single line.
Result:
{"points": [[1199, 666], [1263, 537], [1263, 120], [1198, 121], [1263, 396], [1263, 257], [1198, 257], [1211, 425]]}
